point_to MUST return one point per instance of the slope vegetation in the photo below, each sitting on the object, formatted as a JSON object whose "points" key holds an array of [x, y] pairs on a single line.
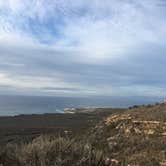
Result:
{"points": [[134, 137]]}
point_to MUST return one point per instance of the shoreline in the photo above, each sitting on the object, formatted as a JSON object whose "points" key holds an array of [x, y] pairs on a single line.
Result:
{"points": [[69, 111]]}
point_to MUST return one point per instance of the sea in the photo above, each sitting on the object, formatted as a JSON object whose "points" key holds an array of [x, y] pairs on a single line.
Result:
{"points": [[16, 105]]}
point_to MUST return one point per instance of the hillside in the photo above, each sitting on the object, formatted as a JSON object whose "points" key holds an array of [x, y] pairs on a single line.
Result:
{"points": [[132, 137], [27, 127], [136, 137]]}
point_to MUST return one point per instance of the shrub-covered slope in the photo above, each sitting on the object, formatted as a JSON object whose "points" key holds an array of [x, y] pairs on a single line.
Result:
{"points": [[136, 137]]}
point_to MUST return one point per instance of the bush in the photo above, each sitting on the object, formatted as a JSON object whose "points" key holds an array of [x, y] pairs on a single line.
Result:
{"points": [[47, 151]]}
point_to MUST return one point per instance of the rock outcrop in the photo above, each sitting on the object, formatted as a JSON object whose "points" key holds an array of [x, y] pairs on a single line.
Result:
{"points": [[135, 138]]}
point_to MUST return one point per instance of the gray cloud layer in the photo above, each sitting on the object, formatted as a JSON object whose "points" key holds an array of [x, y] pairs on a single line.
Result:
{"points": [[88, 48]]}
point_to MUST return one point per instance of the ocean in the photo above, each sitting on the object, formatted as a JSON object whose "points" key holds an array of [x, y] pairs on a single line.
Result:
{"points": [[15, 105]]}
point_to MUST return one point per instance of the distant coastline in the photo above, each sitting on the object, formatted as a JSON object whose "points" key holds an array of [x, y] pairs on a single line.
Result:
{"points": [[16, 105]]}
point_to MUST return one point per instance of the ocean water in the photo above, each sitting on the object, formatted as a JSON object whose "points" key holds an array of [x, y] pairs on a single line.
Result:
{"points": [[15, 105]]}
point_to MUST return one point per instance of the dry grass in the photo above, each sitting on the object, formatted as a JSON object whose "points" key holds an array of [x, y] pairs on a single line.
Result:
{"points": [[47, 151], [133, 138]]}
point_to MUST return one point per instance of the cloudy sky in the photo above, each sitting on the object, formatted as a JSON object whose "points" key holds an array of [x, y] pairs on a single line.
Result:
{"points": [[83, 47]]}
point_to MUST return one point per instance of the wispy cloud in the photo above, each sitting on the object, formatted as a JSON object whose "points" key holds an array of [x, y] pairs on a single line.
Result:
{"points": [[66, 47]]}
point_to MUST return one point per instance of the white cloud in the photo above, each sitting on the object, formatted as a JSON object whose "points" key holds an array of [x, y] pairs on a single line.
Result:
{"points": [[123, 27], [39, 39], [43, 85], [32, 82]]}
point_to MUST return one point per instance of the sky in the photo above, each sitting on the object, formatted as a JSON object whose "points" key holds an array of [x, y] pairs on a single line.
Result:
{"points": [[83, 47]]}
